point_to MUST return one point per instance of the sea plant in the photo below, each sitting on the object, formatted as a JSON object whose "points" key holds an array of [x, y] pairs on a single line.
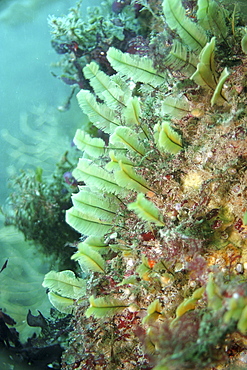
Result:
{"points": [[36, 206], [225, 306], [80, 41], [66, 283], [161, 205]]}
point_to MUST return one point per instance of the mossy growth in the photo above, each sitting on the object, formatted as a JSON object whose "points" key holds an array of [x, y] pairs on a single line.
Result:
{"points": [[80, 39], [37, 204], [197, 338], [162, 204]]}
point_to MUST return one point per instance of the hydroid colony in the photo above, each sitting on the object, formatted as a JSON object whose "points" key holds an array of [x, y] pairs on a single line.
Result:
{"points": [[161, 206]]}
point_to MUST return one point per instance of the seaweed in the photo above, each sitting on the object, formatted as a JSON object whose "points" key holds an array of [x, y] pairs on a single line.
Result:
{"points": [[161, 205], [37, 204]]}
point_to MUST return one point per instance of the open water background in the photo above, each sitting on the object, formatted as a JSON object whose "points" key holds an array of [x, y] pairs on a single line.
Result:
{"points": [[29, 97], [26, 83]]}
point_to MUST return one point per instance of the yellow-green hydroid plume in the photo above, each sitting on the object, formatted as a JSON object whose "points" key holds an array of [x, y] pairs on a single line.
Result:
{"points": [[191, 33], [105, 306], [146, 210], [89, 259], [136, 67], [167, 139]]}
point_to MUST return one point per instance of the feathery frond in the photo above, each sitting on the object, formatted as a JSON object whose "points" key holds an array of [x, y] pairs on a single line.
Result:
{"points": [[128, 138], [113, 165], [153, 312], [62, 304], [94, 146], [95, 243], [218, 95], [100, 115], [146, 210], [89, 259], [244, 43], [132, 112], [105, 307], [181, 59], [202, 13], [205, 74], [191, 33], [176, 107], [167, 139], [211, 16], [104, 87], [128, 178], [86, 224], [95, 204], [136, 67], [96, 177], [65, 284], [189, 303]]}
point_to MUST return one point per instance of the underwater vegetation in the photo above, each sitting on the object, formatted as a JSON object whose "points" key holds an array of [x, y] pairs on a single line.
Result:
{"points": [[29, 327], [80, 40], [161, 204], [28, 338], [36, 206]]}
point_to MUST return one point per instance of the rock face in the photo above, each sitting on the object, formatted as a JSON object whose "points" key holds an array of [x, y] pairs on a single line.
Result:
{"points": [[162, 204]]}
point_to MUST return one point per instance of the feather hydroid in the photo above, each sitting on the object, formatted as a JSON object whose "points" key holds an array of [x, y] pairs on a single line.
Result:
{"points": [[146, 210], [100, 115], [89, 259], [139, 69], [105, 307], [191, 33], [96, 177], [65, 284]]}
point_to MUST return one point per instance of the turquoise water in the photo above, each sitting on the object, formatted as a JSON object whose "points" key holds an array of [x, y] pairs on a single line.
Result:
{"points": [[29, 94], [32, 132]]}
